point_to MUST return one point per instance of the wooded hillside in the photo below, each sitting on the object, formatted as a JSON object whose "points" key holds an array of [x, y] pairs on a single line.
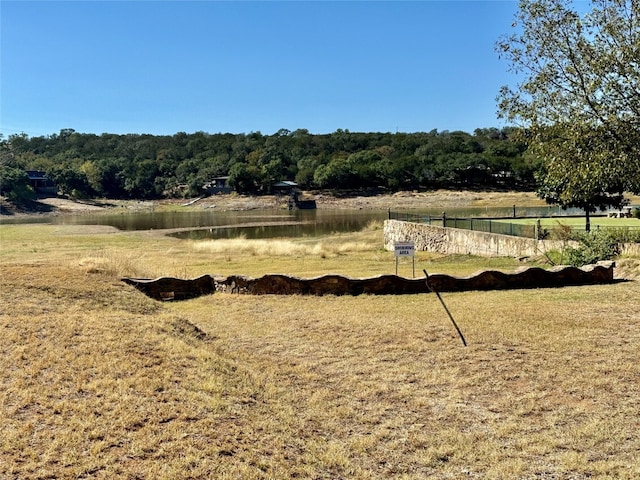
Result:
{"points": [[148, 166]]}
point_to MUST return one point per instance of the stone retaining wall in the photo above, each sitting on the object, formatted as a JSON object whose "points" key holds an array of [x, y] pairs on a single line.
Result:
{"points": [[432, 238], [446, 240]]}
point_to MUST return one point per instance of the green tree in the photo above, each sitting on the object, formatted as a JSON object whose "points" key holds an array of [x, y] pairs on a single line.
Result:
{"points": [[306, 169], [142, 181], [14, 181], [71, 182], [14, 184], [578, 99], [93, 175], [243, 178], [335, 174]]}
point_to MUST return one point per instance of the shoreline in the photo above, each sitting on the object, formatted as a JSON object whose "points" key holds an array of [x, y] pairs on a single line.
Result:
{"points": [[403, 200]]}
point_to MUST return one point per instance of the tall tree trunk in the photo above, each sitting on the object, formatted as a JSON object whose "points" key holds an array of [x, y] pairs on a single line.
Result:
{"points": [[587, 226]]}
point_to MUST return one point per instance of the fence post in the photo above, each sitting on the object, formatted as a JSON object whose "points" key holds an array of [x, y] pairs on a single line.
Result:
{"points": [[444, 219]]}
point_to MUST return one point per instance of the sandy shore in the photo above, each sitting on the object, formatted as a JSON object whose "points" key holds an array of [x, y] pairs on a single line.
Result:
{"points": [[234, 202]]}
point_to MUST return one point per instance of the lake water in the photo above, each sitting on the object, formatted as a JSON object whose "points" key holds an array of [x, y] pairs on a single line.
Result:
{"points": [[268, 223]]}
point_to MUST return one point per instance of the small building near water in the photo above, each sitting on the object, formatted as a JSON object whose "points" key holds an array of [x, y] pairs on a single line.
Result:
{"points": [[40, 183], [284, 187], [217, 185], [296, 198]]}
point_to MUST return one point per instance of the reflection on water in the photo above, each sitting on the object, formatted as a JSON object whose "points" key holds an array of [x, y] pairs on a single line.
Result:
{"points": [[267, 223], [269, 231]]}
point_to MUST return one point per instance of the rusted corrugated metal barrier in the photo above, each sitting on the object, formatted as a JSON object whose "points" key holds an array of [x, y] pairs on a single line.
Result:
{"points": [[170, 288]]}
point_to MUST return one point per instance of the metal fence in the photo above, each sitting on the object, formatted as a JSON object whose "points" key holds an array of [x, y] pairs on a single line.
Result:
{"points": [[477, 224], [415, 218], [500, 227], [504, 227]]}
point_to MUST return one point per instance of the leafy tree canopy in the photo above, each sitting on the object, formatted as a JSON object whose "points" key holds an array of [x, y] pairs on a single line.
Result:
{"points": [[147, 166], [14, 181], [578, 99]]}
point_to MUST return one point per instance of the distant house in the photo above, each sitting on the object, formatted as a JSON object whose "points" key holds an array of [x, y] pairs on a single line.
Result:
{"points": [[41, 183], [285, 187], [296, 199], [218, 185]]}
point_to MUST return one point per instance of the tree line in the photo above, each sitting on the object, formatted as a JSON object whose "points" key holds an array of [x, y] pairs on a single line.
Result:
{"points": [[144, 166]]}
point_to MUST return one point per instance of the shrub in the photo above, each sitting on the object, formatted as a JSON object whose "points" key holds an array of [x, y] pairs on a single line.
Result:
{"points": [[594, 247], [624, 234]]}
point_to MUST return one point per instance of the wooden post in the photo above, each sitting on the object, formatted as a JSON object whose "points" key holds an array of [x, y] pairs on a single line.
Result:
{"points": [[464, 342]]}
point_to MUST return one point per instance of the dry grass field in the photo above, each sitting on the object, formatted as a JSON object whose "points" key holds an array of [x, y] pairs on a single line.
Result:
{"points": [[98, 381]]}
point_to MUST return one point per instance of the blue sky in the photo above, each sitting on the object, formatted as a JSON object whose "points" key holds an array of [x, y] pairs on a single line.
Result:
{"points": [[162, 67]]}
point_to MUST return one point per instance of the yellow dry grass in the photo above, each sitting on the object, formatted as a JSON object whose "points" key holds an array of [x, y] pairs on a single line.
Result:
{"points": [[98, 381]]}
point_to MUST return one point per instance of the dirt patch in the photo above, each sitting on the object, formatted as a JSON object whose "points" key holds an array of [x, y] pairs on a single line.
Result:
{"points": [[404, 200], [431, 199], [63, 205], [236, 202], [53, 206], [24, 208]]}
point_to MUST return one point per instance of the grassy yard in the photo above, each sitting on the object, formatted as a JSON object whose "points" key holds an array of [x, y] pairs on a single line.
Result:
{"points": [[98, 381], [579, 222]]}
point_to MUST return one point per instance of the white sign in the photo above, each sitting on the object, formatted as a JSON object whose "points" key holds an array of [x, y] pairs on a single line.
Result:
{"points": [[404, 249]]}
